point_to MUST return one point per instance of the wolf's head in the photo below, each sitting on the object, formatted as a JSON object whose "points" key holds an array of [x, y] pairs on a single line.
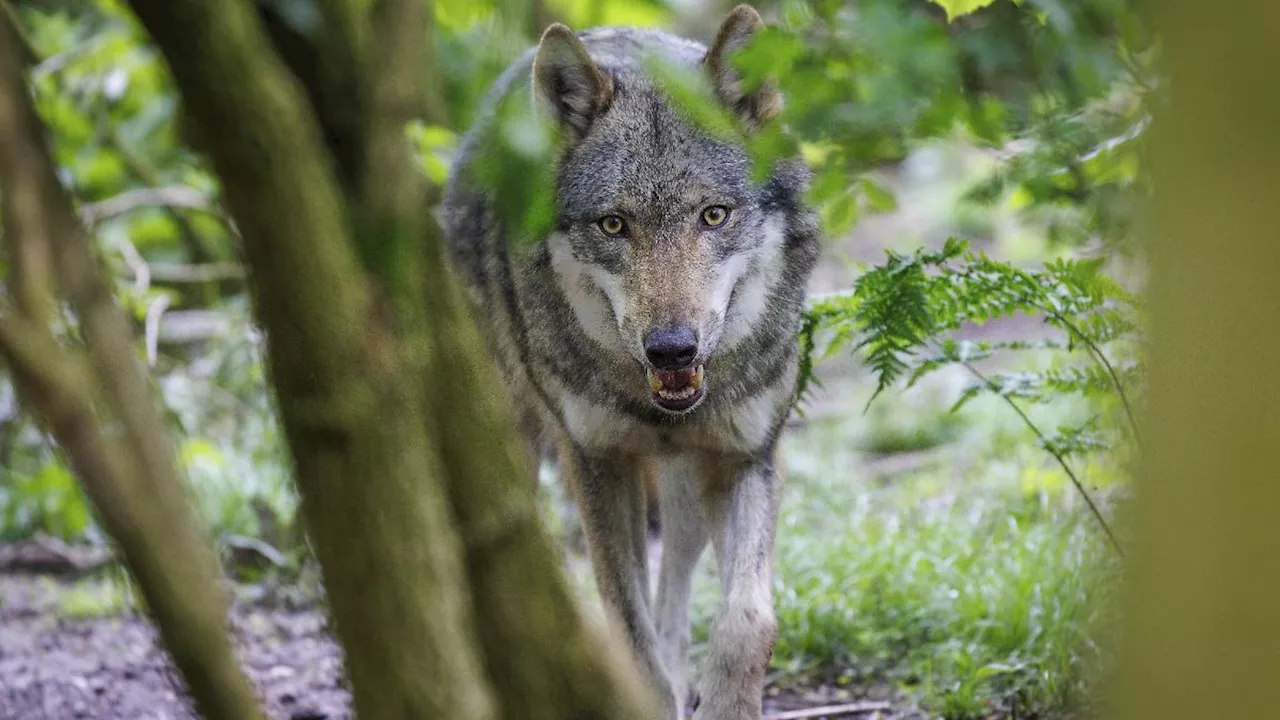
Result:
{"points": [[664, 246]]}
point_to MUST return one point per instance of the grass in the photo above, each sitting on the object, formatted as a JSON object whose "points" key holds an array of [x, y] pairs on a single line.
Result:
{"points": [[110, 594]]}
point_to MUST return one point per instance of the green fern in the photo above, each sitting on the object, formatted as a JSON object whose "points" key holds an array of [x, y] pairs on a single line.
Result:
{"points": [[900, 312]]}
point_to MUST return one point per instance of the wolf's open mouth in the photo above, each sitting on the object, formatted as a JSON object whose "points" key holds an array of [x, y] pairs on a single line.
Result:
{"points": [[676, 390]]}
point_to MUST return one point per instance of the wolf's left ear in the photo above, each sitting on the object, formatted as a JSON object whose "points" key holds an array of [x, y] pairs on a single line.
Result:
{"points": [[569, 81], [759, 106]]}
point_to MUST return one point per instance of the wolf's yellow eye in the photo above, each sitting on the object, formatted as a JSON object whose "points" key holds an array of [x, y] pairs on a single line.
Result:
{"points": [[715, 215], [612, 225]]}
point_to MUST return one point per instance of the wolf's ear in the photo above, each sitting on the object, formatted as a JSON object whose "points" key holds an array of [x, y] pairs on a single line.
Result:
{"points": [[569, 81], [759, 106]]}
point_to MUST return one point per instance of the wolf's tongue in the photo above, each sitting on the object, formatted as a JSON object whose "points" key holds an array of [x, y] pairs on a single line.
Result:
{"points": [[675, 379]]}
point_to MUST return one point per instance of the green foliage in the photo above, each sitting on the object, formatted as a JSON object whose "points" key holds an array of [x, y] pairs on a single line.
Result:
{"points": [[1056, 85], [956, 8], [904, 306], [434, 144], [900, 312], [900, 307], [516, 168], [111, 593], [47, 500]]}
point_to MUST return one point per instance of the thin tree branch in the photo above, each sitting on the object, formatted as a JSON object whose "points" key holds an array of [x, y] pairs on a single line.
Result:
{"points": [[32, 353], [175, 273], [173, 196], [155, 311], [149, 176], [278, 182], [390, 191], [28, 234], [832, 711], [56, 385]]}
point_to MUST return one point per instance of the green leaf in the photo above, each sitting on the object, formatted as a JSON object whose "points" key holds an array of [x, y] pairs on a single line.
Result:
{"points": [[879, 198], [840, 215]]}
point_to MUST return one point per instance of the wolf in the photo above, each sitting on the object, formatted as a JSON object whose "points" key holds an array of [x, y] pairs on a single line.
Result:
{"points": [[652, 330]]}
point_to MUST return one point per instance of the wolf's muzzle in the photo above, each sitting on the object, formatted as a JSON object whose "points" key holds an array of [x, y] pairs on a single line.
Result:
{"points": [[675, 381]]}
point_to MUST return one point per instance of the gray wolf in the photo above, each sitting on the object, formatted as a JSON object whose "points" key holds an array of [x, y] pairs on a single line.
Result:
{"points": [[652, 329]]}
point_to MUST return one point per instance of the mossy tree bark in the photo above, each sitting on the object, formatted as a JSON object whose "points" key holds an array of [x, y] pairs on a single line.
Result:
{"points": [[1201, 637]]}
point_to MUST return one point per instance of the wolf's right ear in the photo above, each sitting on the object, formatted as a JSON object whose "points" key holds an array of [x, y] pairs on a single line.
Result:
{"points": [[569, 81], [763, 103]]}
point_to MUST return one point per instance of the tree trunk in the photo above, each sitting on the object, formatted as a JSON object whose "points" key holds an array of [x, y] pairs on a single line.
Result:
{"points": [[563, 662], [372, 489], [1201, 636], [130, 474]]}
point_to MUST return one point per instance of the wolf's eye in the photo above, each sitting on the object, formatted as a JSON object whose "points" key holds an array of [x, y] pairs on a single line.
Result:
{"points": [[612, 225], [715, 215]]}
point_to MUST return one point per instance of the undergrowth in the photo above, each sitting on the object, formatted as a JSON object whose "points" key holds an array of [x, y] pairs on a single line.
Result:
{"points": [[974, 583]]}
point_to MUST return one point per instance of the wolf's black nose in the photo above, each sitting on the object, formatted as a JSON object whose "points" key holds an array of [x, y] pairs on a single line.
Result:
{"points": [[671, 348]]}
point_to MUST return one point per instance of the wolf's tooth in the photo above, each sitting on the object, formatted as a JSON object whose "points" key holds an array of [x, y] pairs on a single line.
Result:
{"points": [[695, 382]]}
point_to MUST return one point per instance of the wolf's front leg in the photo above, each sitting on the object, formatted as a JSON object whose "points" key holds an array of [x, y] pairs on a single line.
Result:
{"points": [[684, 536], [613, 508], [742, 509]]}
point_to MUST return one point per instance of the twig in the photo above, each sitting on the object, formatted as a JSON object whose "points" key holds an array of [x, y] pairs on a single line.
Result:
{"points": [[180, 273], [186, 326], [154, 311], [857, 708], [149, 176], [1044, 442], [138, 264], [174, 196]]}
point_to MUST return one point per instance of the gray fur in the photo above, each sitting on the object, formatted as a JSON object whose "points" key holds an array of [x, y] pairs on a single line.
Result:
{"points": [[565, 319]]}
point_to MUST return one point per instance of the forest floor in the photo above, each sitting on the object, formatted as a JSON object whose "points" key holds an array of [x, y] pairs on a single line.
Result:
{"points": [[59, 663]]}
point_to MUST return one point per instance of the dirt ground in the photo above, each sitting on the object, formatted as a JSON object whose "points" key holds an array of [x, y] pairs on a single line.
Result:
{"points": [[109, 668], [53, 667]]}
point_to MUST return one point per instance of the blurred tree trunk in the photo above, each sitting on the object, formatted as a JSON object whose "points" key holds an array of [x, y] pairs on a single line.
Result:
{"points": [[1202, 636], [129, 472]]}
